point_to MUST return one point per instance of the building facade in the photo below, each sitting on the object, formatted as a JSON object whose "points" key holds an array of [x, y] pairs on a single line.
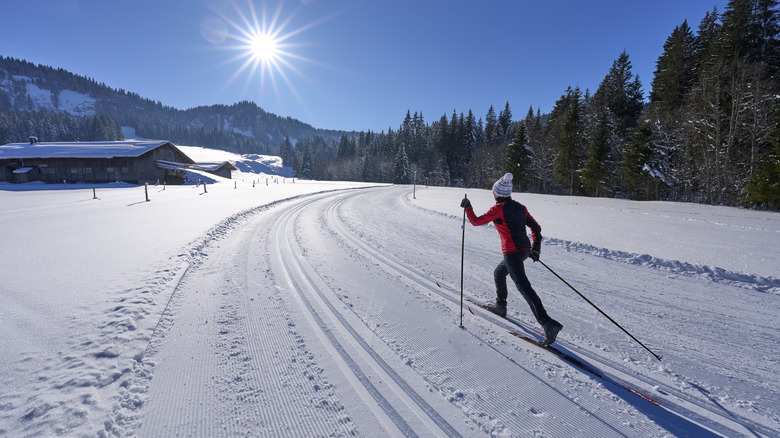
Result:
{"points": [[134, 162]]}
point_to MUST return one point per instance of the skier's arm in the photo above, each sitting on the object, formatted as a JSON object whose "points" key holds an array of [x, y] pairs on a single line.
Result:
{"points": [[488, 217], [536, 230]]}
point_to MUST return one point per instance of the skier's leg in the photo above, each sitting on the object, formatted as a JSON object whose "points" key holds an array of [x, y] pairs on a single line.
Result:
{"points": [[514, 265], [499, 276]]}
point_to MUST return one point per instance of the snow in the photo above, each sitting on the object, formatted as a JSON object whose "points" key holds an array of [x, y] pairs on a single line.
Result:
{"points": [[252, 164], [244, 132], [314, 308], [76, 103], [41, 98]]}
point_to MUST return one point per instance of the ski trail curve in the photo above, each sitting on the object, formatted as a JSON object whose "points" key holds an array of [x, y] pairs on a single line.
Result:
{"points": [[488, 414], [674, 401], [310, 291]]}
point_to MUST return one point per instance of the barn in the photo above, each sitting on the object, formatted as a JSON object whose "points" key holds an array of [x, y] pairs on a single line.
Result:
{"points": [[135, 162]]}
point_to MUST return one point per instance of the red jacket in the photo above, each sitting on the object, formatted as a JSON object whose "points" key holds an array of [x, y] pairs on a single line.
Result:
{"points": [[510, 218]]}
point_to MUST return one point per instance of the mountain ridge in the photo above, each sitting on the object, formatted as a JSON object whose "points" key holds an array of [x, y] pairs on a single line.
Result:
{"points": [[242, 127]]}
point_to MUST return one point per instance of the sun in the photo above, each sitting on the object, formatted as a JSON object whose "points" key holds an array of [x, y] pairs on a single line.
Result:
{"points": [[263, 43], [264, 47]]}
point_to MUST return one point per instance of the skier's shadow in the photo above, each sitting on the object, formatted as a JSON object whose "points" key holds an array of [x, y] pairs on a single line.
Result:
{"points": [[675, 424]]}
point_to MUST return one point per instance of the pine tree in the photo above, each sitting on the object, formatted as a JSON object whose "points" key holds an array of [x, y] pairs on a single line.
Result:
{"points": [[491, 127], [306, 171], [621, 92], [763, 188], [767, 19], [674, 73], [286, 152], [347, 147], [504, 122], [706, 42], [594, 174], [517, 158], [569, 140], [635, 168], [739, 32], [402, 170]]}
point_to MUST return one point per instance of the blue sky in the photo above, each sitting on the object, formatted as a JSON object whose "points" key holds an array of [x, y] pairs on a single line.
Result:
{"points": [[351, 65]]}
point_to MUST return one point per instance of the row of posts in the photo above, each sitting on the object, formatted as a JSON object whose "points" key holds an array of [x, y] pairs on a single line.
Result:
{"points": [[197, 184]]}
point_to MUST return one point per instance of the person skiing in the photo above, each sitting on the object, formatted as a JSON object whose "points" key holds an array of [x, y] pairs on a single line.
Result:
{"points": [[511, 218]]}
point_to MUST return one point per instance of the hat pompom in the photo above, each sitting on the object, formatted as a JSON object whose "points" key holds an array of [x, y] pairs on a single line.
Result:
{"points": [[503, 187]]}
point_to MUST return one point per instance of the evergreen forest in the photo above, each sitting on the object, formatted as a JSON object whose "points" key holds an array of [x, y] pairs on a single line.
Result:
{"points": [[710, 132]]}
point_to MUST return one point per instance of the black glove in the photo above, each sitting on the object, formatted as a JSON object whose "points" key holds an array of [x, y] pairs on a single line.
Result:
{"points": [[536, 251], [465, 203]]}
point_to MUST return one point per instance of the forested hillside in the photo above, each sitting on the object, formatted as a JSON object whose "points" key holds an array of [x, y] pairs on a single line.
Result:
{"points": [[56, 105]]}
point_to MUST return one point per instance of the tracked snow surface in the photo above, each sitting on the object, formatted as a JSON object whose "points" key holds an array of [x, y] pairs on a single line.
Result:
{"points": [[263, 307]]}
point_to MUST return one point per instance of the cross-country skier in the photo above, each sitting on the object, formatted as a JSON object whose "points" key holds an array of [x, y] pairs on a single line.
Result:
{"points": [[511, 218]]}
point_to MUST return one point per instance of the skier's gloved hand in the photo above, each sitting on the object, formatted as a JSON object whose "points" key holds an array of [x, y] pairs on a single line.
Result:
{"points": [[536, 250], [465, 203]]}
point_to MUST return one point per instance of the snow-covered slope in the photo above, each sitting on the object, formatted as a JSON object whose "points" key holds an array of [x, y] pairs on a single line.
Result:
{"points": [[318, 309], [69, 101], [261, 165]]}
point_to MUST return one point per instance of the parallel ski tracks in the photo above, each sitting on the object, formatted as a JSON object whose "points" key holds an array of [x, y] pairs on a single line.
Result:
{"points": [[391, 392], [730, 424]]}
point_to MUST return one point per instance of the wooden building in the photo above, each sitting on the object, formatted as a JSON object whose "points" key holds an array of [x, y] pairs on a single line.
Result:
{"points": [[135, 162], [224, 169]]}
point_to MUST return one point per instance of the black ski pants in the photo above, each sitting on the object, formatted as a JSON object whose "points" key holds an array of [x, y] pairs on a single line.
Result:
{"points": [[512, 265]]}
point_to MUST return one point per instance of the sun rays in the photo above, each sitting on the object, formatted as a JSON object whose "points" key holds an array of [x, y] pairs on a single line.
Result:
{"points": [[263, 44]]}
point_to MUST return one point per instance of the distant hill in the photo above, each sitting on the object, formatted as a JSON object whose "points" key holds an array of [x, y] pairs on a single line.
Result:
{"points": [[64, 98]]}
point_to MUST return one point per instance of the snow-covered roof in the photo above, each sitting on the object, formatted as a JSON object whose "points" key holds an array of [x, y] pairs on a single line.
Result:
{"points": [[98, 149], [216, 165]]}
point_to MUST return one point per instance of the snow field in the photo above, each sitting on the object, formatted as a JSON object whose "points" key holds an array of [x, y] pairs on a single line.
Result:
{"points": [[85, 288], [268, 310]]}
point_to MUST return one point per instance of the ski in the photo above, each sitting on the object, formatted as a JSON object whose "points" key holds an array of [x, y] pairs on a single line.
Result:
{"points": [[564, 356]]}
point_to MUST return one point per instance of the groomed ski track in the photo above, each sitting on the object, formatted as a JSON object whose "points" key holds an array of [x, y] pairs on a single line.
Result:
{"points": [[321, 316]]}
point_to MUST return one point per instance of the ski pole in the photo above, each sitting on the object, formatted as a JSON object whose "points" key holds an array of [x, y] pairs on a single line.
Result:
{"points": [[462, 256], [602, 312]]}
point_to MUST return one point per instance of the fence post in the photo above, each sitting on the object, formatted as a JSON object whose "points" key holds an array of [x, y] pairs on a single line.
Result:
{"points": [[94, 194], [204, 187], [146, 190]]}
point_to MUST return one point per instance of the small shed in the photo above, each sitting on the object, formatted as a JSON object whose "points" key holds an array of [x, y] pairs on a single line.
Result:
{"points": [[135, 162], [225, 169]]}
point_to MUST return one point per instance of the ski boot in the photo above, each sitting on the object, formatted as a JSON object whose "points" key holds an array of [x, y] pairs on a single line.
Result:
{"points": [[551, 330], [497, 309]]}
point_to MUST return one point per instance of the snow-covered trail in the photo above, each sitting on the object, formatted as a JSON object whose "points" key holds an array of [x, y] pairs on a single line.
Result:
{"points": [[233, 361], [337, 314]]}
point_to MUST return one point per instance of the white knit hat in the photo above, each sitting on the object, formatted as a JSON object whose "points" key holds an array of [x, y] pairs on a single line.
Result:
{"points": [[503, 187]]}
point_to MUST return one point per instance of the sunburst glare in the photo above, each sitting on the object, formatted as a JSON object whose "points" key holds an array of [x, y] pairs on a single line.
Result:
{"points": [[263, 45]]}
